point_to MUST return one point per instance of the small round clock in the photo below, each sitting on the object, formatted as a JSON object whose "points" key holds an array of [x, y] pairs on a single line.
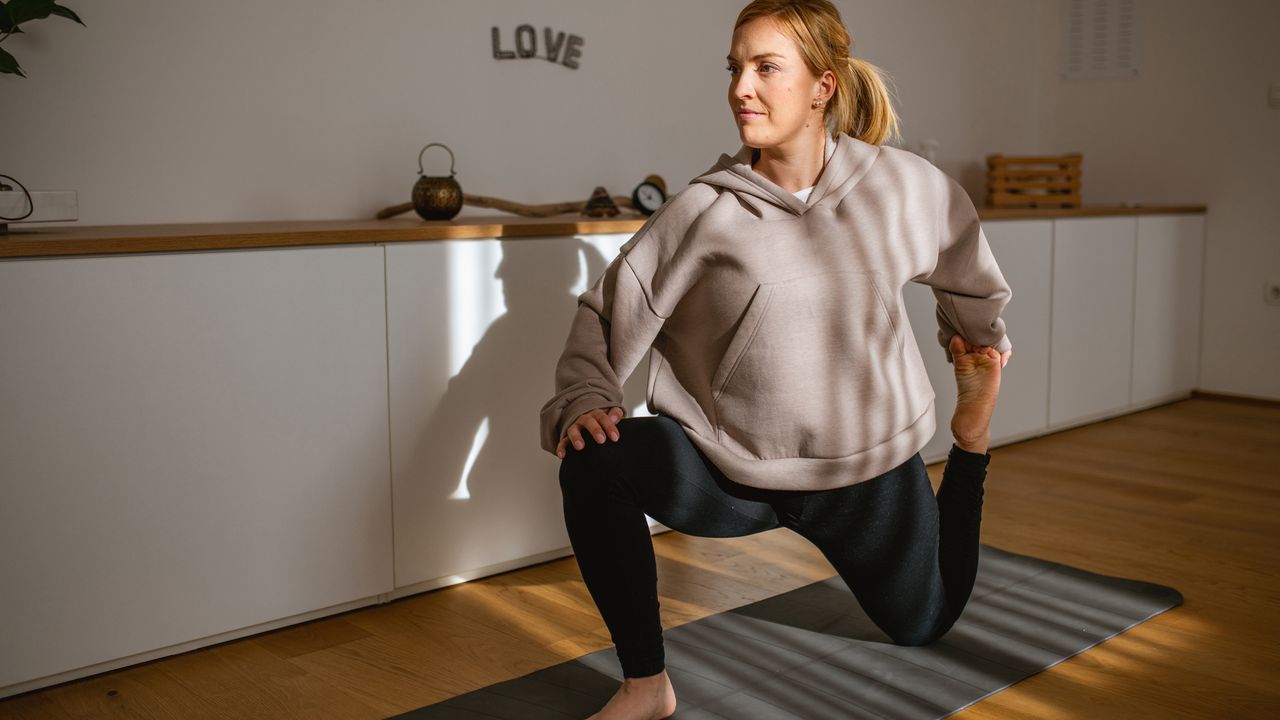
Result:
{"points": [[649, 195]]}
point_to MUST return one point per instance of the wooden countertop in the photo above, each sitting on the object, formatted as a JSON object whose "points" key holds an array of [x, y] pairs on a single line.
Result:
{"points": [[24, 241]]}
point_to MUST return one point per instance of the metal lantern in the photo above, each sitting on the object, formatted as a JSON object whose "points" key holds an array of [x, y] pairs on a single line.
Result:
{"points": [[437, 197]]}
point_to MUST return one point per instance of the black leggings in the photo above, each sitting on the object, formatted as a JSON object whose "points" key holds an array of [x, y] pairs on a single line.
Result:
{"points": [[910, 558]]}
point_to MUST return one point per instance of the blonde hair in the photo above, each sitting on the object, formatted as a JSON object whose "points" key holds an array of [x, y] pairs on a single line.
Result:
{"points": [[861, 105]]}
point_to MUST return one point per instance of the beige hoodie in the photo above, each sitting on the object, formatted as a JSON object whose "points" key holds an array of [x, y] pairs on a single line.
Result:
{"points": [[776, 329]]}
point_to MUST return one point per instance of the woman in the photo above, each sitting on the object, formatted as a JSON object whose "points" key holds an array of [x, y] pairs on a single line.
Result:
{"points": [[786, 381]]}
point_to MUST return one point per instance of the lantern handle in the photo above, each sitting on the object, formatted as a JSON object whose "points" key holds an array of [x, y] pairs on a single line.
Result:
{"points": [[446, 147]]}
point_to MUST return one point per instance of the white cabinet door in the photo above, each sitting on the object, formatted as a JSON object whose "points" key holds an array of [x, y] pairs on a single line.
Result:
{"points": [[1166, 340], [192, 444], [475, 328], [1091, 348], [1022, 249]]}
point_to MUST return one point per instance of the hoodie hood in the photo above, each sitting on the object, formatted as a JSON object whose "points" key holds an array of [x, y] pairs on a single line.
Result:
{"points": [[847, 160]]}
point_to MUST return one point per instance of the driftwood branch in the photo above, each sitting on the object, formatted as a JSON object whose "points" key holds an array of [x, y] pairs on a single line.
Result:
{"points": [[543, 210]]}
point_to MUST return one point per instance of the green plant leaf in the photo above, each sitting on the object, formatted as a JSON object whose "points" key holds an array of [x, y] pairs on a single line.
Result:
{"points": [[65, 12], [21, 11], [9, 64], [6, 22]]}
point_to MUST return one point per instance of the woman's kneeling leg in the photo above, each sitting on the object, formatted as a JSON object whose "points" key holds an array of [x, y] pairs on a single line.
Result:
{"points": [[608, 488]]}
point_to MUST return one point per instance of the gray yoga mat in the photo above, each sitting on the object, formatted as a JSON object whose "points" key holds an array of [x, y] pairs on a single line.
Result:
{"points": [[812, 654]]}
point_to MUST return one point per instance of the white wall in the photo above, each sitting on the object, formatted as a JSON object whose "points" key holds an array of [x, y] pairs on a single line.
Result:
{"points": [[186, 111], [1194, 127]]}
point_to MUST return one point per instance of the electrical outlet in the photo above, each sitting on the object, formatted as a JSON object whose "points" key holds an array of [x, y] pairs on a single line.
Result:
{"points": [[1271, 293]]}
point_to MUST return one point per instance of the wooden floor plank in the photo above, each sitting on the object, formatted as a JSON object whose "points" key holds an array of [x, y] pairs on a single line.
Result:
{"points": [[250, 680]]}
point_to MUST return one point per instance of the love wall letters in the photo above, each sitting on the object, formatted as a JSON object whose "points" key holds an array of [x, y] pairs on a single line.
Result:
{"points": [[560, 49]]}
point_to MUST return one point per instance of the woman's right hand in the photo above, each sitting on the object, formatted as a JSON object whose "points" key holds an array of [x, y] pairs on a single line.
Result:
{"points": [[598, 422]]}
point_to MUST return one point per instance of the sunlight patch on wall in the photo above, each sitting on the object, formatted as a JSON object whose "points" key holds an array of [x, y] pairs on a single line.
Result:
{"points": [[475, 300], [482, 434]]}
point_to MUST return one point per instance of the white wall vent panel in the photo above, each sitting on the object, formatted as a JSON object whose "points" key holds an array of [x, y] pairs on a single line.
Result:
{"points": [[1100, 40]]}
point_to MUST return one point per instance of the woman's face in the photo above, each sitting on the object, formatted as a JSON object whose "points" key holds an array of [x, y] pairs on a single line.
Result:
{"points": [[771, 90]]}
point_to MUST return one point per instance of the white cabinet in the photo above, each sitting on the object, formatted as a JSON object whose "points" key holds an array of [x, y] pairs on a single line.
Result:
{"points": [[1104, 319], [192, 444], [1024, 249], [474, 331], [1166, 327], [1126, 314], [1091, 347]]}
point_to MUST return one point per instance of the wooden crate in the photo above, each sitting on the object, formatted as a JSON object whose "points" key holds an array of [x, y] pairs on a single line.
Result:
{"points": [[1020, 181]]}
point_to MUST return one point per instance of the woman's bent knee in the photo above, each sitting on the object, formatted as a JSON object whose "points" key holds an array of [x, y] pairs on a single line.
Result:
{"points": [[919, 636], [592, 468], [637, 436]]}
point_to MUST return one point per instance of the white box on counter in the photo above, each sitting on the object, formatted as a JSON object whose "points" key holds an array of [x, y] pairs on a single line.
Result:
{"points": [[47, 206]]}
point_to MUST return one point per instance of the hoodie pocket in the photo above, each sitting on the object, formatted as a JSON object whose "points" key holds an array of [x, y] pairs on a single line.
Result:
{"points": [[815, 369]]}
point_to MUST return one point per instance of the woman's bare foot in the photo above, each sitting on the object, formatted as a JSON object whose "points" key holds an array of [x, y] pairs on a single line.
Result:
{"points": [[977, 371], [646, 698]]}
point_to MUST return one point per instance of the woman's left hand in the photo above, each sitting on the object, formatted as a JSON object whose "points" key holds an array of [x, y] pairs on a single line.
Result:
{"points": [[970, 347]]}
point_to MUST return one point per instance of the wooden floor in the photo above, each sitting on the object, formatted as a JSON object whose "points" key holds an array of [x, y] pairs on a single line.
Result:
{"points": [[1186, 495]]}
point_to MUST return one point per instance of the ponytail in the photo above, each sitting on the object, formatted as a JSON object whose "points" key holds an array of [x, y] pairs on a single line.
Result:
{"points": [[862, 106]]}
